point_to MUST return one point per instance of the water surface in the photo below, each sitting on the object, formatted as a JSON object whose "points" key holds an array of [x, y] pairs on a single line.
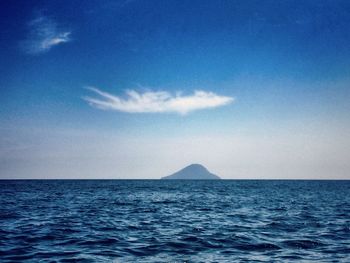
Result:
{"points": [[174, 221]]}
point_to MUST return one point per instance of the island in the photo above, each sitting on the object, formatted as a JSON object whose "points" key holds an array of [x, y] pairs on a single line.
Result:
{"points": [[192, 172]]}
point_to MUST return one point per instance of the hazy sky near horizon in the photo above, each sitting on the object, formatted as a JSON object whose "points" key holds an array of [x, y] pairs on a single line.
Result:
{"points": [[140, 89]]}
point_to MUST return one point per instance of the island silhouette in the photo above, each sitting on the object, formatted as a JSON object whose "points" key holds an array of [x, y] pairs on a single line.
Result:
{"points": [[192, 172]]}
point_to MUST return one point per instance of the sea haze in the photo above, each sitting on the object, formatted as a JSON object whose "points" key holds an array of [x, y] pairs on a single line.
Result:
{"points": [[174, 221]]}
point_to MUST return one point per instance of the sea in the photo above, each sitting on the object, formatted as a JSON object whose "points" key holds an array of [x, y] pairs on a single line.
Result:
{"points": [[174, 221]]}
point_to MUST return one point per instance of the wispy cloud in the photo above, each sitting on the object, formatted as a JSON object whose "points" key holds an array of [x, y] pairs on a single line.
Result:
{"points": [[44, 33], [157, 102]]}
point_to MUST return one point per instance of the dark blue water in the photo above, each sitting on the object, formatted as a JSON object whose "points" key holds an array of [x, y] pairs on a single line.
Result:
{"points": [[174, 221]]}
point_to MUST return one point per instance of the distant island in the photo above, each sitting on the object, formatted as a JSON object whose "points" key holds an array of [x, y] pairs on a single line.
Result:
{"points": [[192, 172]]}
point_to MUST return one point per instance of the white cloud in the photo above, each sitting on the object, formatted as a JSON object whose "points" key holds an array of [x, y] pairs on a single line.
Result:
{"points": [[44, 33], [158, 102]]}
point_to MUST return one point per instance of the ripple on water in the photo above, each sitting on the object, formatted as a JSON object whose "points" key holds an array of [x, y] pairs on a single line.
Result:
{"points": [[302, 244]]}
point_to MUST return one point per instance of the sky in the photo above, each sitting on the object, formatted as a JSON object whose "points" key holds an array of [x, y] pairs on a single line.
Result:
{"points": [[138, 89]]}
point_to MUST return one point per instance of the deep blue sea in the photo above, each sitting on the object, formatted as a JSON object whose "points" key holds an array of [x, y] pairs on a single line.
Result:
{"points": [[174, 221]]}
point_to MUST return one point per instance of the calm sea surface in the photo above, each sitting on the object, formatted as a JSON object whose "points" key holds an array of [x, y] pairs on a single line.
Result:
{"points": [[174, 221]]}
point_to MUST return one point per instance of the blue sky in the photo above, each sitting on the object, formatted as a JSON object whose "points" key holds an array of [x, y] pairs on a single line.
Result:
{"points": [[138, 89]]}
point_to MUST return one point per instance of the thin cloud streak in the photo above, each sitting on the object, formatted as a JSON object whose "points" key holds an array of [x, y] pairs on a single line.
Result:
{"points": [[44, 33], [157, 102]]}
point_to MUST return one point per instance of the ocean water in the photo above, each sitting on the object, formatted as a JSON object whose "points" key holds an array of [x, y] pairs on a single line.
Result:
{"points": [[174, 221]]}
